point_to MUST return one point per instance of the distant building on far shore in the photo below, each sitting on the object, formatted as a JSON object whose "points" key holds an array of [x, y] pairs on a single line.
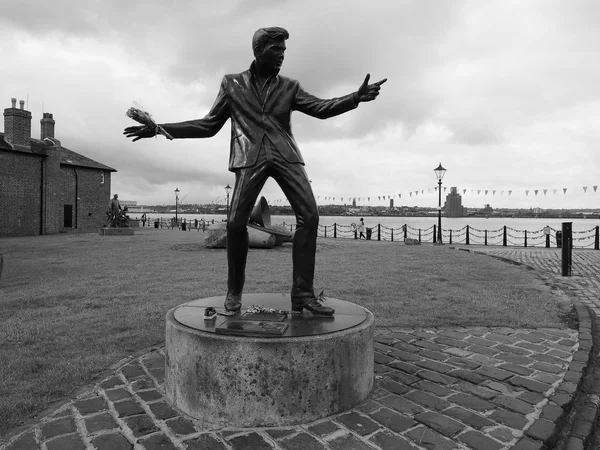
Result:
{"points": [[453, 206]]}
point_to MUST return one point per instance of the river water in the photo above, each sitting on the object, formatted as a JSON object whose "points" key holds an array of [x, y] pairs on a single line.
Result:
{"points": [[390, 228]]}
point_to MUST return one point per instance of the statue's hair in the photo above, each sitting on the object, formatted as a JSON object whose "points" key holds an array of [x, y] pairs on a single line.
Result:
{"points": [[263, 35]]}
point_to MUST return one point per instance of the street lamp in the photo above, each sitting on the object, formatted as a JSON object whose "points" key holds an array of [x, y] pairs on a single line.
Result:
{"points": [[176, 201], [439, 173], [227, 191]]}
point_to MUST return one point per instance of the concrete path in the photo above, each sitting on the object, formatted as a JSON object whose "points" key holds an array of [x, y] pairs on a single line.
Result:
{"points": [[458, 388]]}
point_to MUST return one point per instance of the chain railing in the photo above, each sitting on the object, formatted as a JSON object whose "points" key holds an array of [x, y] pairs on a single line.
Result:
{"points": [[467, 235], [505, 236]]}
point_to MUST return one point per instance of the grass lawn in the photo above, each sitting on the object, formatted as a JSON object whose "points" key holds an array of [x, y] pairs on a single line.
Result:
{"points": [[73, 304]]}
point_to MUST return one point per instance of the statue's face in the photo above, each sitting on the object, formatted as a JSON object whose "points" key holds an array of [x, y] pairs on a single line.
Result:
{"points": [[272, 55]]}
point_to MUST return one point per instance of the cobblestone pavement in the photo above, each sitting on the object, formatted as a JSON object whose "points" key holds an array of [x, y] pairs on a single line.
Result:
{"points": [[459, 388]]}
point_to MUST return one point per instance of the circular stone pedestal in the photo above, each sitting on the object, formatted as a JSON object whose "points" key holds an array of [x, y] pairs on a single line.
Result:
{"points": [[319, 366]]}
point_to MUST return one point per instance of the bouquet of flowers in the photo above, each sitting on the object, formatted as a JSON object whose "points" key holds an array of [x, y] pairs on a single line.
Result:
{"points": [[146, 119], [260, 309]]}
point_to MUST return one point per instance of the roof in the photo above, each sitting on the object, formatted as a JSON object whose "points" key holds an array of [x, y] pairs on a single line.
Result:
{"points": [[71, 158], [67, 157]]}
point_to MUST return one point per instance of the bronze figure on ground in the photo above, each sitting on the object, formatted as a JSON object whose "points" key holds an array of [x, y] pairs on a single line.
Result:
{"points": [[259, 103]]}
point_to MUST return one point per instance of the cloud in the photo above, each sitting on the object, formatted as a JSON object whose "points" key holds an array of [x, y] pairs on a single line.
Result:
{"points": [[504, 94]]}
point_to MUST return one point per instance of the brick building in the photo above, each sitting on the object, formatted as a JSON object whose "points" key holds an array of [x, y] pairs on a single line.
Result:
{"points": [[44, 187]]}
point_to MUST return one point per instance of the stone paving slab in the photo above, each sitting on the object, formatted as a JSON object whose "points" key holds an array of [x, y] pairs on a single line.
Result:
{"points": [[466, 388]]}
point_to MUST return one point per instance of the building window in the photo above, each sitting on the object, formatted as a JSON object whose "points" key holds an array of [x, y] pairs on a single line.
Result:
{"points": [[101, 177]]}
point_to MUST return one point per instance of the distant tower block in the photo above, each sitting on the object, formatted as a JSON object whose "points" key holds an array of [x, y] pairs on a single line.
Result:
{"points": [[453, 206]]}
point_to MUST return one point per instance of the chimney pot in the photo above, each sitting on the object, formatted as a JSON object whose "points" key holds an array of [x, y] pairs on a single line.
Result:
{"points": [[14, 102], [22, 104]]}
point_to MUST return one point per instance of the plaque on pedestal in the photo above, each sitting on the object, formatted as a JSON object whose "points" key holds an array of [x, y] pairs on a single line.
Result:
{"points": [[244, 327], [273, 317]]}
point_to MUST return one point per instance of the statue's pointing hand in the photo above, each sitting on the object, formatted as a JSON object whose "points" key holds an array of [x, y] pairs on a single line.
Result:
{"points": [[367, 92]]}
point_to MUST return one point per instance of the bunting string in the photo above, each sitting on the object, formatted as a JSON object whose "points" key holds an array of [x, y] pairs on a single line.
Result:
{"points": [[467, 192]]}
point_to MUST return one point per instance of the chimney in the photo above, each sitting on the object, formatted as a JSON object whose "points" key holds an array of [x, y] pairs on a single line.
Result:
{"points": [[47, 127], [17, 124]]}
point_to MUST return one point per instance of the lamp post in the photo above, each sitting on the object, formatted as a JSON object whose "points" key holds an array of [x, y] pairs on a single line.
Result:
{"points": [[176, 201], [227, 191], [439, 173]]}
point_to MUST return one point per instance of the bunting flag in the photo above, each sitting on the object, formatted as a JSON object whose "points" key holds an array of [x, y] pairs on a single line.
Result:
{"points": [[554, 191], [536, 191], [585, 189], [494, 192], [509, 192], [545, 190], [445, 188], [527, 192], [595, 187], [478, 191], [564, 190], [464, 191], [486, 191]]}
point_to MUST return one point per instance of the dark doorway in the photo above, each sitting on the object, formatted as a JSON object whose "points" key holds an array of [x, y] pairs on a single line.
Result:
{"points": [[68, 222]]}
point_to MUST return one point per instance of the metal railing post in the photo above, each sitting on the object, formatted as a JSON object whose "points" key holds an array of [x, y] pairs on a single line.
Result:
{"points": [[567, 247]]}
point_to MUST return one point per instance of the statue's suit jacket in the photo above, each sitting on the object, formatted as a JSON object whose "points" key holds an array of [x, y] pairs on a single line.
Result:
{"points": [[252, 117]]}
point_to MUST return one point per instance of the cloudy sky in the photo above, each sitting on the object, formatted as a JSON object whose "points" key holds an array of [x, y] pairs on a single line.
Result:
{"points": [[505, 94]]}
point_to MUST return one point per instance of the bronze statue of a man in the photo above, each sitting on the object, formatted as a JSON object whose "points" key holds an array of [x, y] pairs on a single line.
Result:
{"points": [[259, 103]]}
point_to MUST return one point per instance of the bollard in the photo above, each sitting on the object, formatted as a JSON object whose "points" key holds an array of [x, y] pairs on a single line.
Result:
{"points": [[525, 243], [378, 231], [504, 236], [434, 234], [450, 236], [485, 238], [597, 240], [392, 234], [567, 247], [419, 235], [325, 230], [467, 239], [334, 230], [355, 234], [405, 228]]}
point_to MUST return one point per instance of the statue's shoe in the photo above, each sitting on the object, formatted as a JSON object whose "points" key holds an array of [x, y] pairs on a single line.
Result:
{"points": [[233, 302], [312, 303]]}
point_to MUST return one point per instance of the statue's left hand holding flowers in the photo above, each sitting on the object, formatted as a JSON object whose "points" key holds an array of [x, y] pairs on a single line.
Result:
{"points": [[149, 128]]}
